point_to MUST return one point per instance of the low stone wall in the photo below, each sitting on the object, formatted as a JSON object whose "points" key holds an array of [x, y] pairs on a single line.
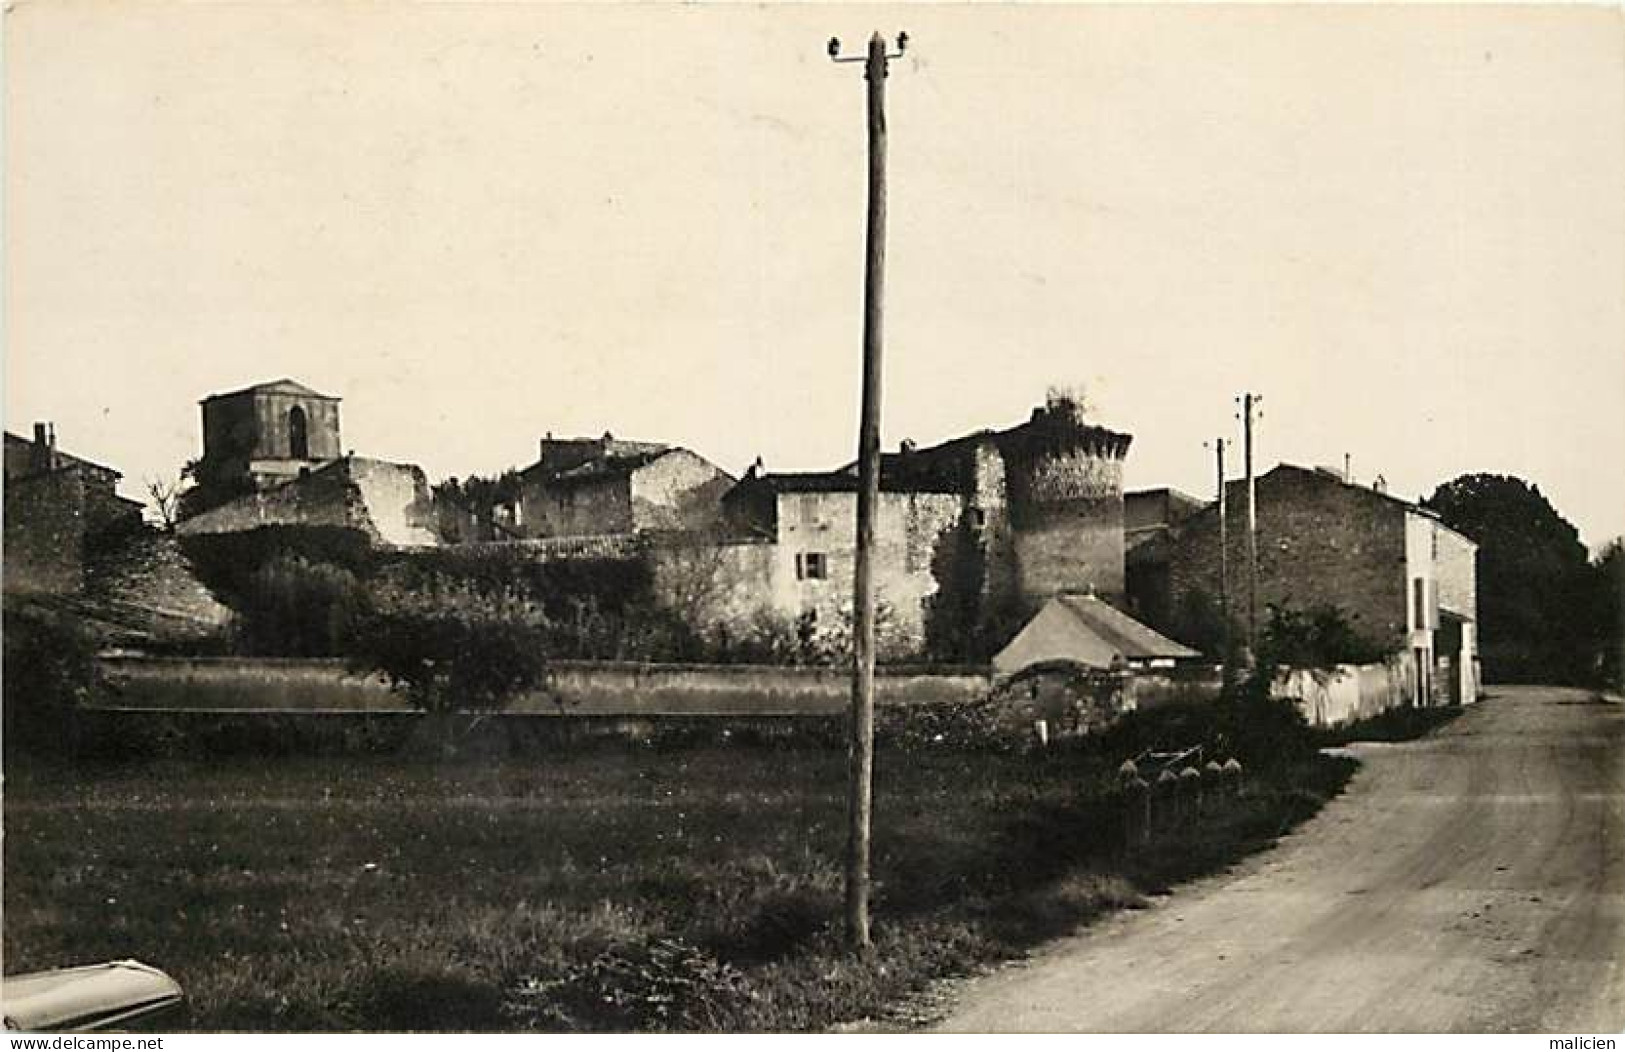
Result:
{"points": [[1331, 698], [584, 688], [193, 734], [1154, 687], [244, 684]]}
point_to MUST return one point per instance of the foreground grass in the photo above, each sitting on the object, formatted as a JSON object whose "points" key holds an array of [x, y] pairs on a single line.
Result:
{"points": [[610, 888]]}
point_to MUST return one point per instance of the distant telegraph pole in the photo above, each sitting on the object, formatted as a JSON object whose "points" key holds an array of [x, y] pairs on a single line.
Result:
{"points": [[1224, 558], [861, 751], [1249, 404]]}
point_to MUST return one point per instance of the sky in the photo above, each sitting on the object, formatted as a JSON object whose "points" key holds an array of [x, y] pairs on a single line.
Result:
{"points": [[478, 223]]}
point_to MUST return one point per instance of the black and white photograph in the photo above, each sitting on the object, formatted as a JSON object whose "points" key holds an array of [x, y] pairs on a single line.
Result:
{"points": [[843, 519]]}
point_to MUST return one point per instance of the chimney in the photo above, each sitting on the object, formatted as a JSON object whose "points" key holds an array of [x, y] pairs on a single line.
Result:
{"points": [[44, 452], [907, 446]]}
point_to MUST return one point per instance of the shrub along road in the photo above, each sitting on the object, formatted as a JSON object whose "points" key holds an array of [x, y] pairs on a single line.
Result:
{"points": [[1473, 880]]}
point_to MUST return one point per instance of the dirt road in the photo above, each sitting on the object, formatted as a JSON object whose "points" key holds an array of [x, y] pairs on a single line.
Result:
{"points": [[1473, 880]]}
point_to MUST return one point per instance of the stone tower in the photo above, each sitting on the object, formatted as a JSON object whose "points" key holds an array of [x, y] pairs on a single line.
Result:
{"points": [[1064, 486], [264, 435]]}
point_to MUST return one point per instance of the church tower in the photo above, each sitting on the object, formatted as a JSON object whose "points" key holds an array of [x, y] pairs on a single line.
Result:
{"points": [[264, 435]]}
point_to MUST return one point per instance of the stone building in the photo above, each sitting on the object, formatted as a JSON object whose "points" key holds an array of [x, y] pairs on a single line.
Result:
{"points": [[806, 524], [589, 486], [58, 509], [972, 531], [389, 503], [271, 457], [262, 436], [1148, 515], [1401, 578]]}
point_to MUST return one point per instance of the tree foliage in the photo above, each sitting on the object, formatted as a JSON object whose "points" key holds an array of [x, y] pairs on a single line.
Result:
{"points": [[50, 670], [1320, 637], [1537, 590], [450, 647], [1608, 614]]}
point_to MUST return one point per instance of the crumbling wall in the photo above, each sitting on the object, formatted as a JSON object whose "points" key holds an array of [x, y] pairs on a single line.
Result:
{"points": [[395, 499], [678, 491], [389, 502]]}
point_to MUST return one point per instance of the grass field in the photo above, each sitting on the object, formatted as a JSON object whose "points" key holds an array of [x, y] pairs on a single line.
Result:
{"points": [[613, 887]]}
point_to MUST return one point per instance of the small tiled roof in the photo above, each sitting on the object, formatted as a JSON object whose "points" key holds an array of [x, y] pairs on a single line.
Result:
{"points": [[610, 467], [283, 386], [1136, 641]]}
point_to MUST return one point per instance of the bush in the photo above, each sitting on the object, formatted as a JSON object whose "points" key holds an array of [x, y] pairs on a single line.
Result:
{"points": [[662, 985], [1319, 637], [1266, 734], [448, 647], [50, 669], [299, 607]]}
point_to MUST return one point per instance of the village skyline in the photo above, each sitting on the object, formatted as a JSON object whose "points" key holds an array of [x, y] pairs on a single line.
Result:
{"points": [[1401, 226]]}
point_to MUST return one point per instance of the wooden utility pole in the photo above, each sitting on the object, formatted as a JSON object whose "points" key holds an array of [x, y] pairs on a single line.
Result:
{"points": [[1224, 560], [861, 748], [1249, 403]]}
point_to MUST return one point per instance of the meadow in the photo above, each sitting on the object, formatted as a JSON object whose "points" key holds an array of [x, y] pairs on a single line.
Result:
{"points": [[611, 886]]}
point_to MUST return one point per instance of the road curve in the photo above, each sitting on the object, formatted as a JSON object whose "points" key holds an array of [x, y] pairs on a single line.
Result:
{"points": [[1471, 881]]}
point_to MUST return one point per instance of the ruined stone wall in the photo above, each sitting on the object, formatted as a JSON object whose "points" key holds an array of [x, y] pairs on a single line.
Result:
{"points": [[388, 502], [44, 533], [322, 498], [1319, 542], [395, 500], [678, 491]]}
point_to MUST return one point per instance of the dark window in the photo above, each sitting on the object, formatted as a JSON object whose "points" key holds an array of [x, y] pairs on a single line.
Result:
{"points": [[1421, 593], [811, 566], [298, 434]]}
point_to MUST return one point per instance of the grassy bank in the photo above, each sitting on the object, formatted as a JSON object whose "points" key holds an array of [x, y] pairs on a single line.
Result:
{"points": [[613, 887]]}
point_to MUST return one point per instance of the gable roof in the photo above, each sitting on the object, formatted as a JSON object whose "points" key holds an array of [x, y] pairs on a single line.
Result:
{"points": [[1088, 631], [1134, 640], [60, 460], [283, 386], [1327, 477]]}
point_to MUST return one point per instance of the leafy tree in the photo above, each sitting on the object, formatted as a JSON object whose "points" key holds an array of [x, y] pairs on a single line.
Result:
{"points": [[1318, 638], [449, 647], [201, 490], [1535, 582], [299, 607], [1608, 613]]}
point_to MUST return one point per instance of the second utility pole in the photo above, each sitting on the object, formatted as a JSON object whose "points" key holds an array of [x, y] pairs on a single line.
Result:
{"points": [[861, 751], [1249, 403]]}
